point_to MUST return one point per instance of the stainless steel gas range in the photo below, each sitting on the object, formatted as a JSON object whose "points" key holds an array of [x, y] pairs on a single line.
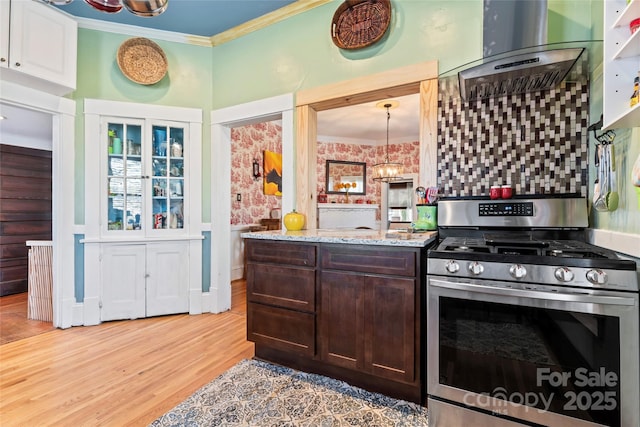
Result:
{"points": [[527, 324]]}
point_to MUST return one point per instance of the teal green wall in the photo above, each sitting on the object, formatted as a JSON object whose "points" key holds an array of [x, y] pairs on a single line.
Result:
{"points": [[298, 54], [573, 20]]}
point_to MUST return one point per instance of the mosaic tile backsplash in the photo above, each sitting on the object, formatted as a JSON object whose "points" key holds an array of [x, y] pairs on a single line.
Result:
{"points": [[537, 142]]}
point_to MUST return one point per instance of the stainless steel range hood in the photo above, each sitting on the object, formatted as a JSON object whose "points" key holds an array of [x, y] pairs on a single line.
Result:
{"points": [[512, 26]]}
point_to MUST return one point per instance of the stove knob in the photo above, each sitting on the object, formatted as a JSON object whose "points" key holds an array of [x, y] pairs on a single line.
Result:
{"points": [[563, 274], [517, 271], [452, 266], [475, 268], [597, 277]]}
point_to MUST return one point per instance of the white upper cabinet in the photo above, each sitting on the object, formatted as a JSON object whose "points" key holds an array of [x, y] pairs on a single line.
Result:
{"points": [[139, 171], [145, 176], [38, 46], [621, 64]]}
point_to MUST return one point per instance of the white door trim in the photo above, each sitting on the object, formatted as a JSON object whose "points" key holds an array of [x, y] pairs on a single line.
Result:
{"points": [[63, 111], [222, 120]]}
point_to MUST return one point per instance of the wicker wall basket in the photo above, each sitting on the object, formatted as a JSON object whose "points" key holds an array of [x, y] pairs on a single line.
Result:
{"points": [[142, 61], [360, 23]]}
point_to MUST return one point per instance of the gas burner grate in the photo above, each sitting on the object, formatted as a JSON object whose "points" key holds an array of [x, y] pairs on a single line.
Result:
{"points": [[516, 251], [563, 253], [464, 248]]}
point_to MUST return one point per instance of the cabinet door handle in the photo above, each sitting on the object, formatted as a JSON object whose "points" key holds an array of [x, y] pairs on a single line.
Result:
{"points": [[3, 59], [17, 64], [146, 276]]}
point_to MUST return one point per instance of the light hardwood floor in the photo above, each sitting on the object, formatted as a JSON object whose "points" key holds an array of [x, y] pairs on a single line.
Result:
{"points": [[121, 373], [14, 324]]}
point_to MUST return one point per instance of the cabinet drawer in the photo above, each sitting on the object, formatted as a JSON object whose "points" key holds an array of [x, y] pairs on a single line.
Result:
{"points": [[287, 287], [281, 328], [379, 260], [280, 252]]}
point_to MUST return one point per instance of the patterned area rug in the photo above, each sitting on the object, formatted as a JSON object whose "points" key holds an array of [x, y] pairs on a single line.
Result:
{"points": [[256, 393]]}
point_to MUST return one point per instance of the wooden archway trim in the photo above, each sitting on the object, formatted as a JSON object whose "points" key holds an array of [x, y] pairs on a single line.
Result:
{"points": [[418, 78]]}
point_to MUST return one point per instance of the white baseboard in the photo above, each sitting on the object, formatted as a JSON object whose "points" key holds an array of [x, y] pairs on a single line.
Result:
{"points": [[237, 273]]}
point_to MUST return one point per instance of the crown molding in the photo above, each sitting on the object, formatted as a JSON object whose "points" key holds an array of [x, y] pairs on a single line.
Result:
{"points": [[216, 40], [266, 20], [135, 31]]}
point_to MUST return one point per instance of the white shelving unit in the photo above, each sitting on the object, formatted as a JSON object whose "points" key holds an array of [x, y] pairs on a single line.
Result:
{"points": [[621, 64], [143, 241]]}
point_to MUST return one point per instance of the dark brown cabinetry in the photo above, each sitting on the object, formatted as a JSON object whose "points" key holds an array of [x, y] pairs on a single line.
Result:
{"points": [[369, 318], [367, 323], [351, 312], [281, 300]]}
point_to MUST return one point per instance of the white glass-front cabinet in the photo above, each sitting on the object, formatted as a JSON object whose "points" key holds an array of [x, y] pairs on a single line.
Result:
{"points": [[145, 177], [143, 240]]}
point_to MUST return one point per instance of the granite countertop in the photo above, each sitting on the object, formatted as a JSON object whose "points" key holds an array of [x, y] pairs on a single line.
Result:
{"points": [[349, 236]]}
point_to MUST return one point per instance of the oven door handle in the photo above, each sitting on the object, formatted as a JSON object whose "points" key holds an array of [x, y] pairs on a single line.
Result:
{"points": [[560, 295]]}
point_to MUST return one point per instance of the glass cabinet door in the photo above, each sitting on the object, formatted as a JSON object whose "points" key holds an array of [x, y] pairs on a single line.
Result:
{"points": [[167, 180], [125, 177]]}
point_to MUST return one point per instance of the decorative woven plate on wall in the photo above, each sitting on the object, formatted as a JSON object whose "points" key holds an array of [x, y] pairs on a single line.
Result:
{"points": [[360, 23], [142, 61]]}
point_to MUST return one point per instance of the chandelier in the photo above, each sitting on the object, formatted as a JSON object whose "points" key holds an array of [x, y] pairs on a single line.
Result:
{"points": [[387, 171], [145, 8]]}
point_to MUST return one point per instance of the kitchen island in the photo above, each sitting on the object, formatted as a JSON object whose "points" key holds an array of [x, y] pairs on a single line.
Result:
{"points": [[347, 304]]}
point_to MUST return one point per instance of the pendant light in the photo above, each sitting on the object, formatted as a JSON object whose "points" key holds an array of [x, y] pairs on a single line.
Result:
{"points": [[387, 171]]}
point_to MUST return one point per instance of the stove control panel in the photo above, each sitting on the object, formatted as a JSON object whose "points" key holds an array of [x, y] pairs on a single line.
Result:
{"points": [[505, 209], [488, 273]]}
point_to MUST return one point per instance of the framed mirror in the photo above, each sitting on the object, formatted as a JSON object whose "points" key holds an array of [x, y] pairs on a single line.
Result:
{"points": [[346, 177]]}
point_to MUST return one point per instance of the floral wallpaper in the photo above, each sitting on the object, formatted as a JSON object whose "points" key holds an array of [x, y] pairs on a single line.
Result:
{"points": [[407, 153], [248, 143]]}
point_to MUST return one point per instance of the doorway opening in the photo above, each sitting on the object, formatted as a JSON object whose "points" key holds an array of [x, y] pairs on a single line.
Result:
{"points": [[25, 218], [256, 184], [279, 108], [61, 113]]}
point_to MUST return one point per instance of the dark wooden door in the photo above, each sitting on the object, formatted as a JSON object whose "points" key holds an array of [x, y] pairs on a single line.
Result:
{"points": [[390, 318], [25, 211], [368, 324], [342, 327]]}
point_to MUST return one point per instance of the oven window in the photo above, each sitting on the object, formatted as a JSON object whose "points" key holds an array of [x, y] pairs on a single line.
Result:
{"points": [[561, 361]]}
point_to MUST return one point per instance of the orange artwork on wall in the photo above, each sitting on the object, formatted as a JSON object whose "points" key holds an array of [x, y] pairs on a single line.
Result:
{"points": [[272, 173]]}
